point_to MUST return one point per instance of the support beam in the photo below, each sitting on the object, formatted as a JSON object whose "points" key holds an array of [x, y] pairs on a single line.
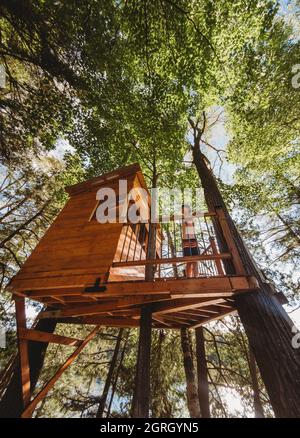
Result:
{"points": [[92, 309], [180, 304], [141, 398], [214, 317], [44, 391], [23, 349], [236, 259], [39, 336], [200, 287], [105, 321]]}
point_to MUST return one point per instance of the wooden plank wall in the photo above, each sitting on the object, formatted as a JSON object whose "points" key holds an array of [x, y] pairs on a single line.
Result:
{"points": [[75, 249]]}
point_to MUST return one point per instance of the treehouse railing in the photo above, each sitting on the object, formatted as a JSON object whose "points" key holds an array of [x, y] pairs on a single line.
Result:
{"points": [[171, 260]]}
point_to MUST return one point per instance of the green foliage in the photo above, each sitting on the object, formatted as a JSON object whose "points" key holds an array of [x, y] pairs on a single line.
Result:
{"points": [[120, 81]]}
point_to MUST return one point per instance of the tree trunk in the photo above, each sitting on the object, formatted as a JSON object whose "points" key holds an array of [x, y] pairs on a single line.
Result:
{"points": [[258, 408], [157, 403], [114, 384], [266, 323], [141, 398], [11, 404], [109, 375], [191, 385], [203, 391]]}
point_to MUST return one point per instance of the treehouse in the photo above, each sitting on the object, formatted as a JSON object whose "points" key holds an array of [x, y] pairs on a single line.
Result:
{"points": [[124, 273], [94, 273]]}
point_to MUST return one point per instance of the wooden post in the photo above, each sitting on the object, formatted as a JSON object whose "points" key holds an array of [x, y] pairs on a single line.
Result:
{"points": [[218, 261], [11, 404], [141, 398], [23, 349], [236, 259], [203, 391]]}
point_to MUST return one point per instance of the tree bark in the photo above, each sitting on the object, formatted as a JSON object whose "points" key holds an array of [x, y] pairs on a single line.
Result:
{"points": [[203, 391], [11, 404], [141, 398], [191, 385], [108, 379], [257, 404], [266, 323], [114, 384]]}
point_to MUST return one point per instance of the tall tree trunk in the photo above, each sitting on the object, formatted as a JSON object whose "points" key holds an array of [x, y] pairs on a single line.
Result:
{"points": [[258, 408], [114, 384], [157, 378], [266, 323], [11, 404], [141, 398], [109, 375], [191, 384], [203, 391]]}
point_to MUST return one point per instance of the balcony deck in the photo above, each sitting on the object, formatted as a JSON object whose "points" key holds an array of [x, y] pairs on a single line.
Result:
{"points": [[175, 302]]}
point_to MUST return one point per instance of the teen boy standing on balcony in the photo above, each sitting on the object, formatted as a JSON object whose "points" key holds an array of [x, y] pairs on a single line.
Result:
{"points": [[189, 240]]}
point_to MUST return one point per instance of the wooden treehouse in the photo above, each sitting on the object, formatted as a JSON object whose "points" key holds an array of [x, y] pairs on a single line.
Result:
{"points": [[86, 272]]}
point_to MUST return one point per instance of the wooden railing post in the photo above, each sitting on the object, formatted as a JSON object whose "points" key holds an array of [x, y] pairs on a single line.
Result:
{"points": [[217, 261], [236, 259]]}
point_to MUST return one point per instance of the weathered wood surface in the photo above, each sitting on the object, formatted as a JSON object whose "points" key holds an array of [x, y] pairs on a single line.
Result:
{"points": [[39, 336], [23, 350]]}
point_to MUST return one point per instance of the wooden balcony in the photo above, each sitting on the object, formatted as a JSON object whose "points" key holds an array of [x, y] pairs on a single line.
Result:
{"points": [[170, 260]]}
